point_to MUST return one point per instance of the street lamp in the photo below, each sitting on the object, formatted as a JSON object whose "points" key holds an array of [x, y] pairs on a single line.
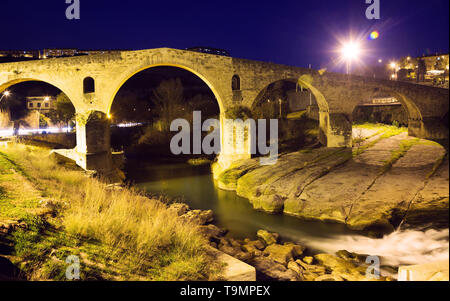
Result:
{"points": [[350, 51], [393, 66], [6, 93]]}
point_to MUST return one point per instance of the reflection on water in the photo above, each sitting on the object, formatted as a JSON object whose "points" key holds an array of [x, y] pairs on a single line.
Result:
{"points": [[196, 185]]}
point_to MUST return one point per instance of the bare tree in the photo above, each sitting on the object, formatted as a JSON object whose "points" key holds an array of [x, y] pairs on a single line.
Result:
{"points": [[168, 98]]}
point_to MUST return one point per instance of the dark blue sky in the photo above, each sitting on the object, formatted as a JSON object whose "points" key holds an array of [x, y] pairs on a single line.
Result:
{"points": [[289, 32]]}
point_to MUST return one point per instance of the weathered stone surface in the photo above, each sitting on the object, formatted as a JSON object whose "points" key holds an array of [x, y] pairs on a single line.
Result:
{"points": [[386, 202], [361, 191], [432, 203], [268, 237]]}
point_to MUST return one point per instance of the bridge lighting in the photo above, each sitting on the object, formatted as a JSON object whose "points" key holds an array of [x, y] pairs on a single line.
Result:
{"points": [[109, 116], [350, 52], [6, 93]]}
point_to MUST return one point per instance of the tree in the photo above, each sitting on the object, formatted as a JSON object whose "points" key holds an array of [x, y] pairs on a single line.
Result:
{"points": [[168, 99], [63, 111]]}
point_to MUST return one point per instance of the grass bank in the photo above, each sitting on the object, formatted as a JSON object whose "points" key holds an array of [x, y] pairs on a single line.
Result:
{"points": [[117, 234]]}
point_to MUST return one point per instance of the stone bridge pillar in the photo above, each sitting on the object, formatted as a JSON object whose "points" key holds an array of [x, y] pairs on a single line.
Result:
{"points": [[93, 142], [237, 139], [428, 128], [335, 129]]}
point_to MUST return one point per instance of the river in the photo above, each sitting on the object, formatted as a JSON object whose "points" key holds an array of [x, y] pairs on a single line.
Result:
{"points": [[195, 185]]}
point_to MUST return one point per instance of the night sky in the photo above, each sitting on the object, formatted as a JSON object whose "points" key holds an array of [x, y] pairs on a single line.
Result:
{"points": [[287, 32]]}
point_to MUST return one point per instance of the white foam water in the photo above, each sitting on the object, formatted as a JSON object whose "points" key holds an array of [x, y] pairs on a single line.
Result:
{"points": [[402, 247]]}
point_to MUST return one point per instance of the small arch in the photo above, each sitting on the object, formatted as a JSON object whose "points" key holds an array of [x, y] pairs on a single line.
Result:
{"points": [[88, 85], [236, 83]]}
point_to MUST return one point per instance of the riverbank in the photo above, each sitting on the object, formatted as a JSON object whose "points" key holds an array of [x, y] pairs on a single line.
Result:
{"points": [[387, 180], [50, 212]]}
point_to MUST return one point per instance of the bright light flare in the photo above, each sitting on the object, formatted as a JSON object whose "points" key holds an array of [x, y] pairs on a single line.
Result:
{"points": [[351, 51], [6, 93]]}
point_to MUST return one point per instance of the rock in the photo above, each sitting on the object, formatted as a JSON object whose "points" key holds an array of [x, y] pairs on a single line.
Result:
{"points": [[212, 232], [179, 208], [316, 269], [200, 217], [253, 246], [244, 256], [280, 253], [342, 267], [273, 270], [329, 277], [234, 242], [354, 257], [308, 259], [267, 237], [230, 250], [297, 250], [292, 265]]}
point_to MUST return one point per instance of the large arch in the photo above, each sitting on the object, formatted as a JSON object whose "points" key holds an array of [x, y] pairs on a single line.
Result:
{"points": [[4, 86], [305, 82], [124, 79]]}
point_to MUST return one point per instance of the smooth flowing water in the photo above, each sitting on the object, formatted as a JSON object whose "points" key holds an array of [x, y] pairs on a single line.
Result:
{"points": [[196, 186]]}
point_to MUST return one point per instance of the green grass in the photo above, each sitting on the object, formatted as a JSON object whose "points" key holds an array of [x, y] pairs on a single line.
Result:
{"points": [[122, 235], [386, 130], [405, 146]]}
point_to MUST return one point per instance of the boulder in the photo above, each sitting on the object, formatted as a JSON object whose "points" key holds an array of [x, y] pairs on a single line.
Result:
{"points": [[253, 247], [279, 253], [316, 269], [308, 259], [342, 267], [201, 217], [212, 232], [179, 208], [271, 270], [268, 237], [292, 265], [297, 250]]}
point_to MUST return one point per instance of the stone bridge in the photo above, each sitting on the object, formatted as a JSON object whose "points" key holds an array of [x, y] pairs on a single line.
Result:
{"points": [[91, 82]]}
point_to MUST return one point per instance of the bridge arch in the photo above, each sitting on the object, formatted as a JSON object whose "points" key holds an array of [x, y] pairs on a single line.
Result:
{"points": [[4, 86], [123, 80], [305, 82]]}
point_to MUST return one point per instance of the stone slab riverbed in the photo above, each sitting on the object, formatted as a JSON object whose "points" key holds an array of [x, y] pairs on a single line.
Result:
{"points": [[387, 180]]}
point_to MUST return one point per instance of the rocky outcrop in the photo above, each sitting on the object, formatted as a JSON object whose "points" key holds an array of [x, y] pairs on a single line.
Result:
{"points": [[385, 179]]}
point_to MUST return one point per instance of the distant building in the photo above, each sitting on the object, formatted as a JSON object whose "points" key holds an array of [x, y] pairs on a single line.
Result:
{"points": [[209, 50], [42, 103], [68, 52], [20, 53], [429, 69]]}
